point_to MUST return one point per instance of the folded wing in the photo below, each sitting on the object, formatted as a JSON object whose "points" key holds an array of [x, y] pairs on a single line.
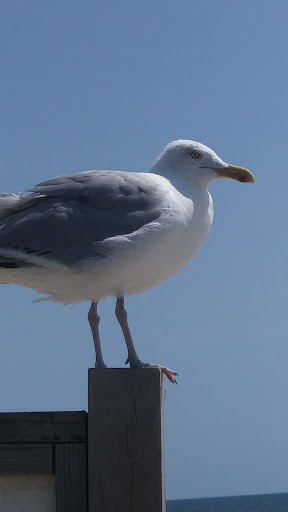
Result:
{"points": [[60, 219]]}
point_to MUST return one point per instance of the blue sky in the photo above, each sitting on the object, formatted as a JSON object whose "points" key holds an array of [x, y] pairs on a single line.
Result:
{"points": [[105, 85]]}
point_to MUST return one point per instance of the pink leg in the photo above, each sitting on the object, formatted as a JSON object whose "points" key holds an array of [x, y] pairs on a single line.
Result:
{"points": [[133, 358]]}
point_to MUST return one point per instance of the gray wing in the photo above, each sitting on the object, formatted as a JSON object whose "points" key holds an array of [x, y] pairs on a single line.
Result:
{"points": [[62, 218]]}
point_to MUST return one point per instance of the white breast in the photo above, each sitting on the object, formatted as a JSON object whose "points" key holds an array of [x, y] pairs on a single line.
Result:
{"points": [[162, 254]]}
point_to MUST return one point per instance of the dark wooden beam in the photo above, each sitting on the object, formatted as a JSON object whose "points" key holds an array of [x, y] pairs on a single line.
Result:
{"points": [[125, 440], [43, 427], [26, 458]]}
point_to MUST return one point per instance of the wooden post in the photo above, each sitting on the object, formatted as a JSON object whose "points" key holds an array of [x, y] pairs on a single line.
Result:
{"points": [[125, 440]]}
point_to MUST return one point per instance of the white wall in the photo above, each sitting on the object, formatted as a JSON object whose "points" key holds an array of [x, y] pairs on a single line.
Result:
{"points": [[27, 494]]}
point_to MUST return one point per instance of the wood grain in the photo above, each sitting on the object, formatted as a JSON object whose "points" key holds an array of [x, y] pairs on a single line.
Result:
{"points": [[125, 440], [26, 458], [71, 477], [43, 427]]}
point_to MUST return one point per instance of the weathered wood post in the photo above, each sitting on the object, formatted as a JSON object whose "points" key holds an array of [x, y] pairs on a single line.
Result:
{"points": [[125, 440]]}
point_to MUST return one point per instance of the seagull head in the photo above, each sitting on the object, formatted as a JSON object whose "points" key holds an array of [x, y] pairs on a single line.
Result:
{"points": [[196, 163]]}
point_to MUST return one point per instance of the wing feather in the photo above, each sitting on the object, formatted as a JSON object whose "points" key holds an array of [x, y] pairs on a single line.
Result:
{"points": [[62, 218]]}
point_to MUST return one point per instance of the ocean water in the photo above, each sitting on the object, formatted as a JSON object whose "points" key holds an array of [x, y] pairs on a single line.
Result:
{"points": [[255, 503]]}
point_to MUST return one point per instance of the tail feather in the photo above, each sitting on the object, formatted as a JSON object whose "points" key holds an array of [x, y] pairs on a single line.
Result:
{"points": [[8, 203], [10, 262]]}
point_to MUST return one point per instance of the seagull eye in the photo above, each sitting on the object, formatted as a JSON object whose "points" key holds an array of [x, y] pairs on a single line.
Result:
{"points": [[195, 154]]}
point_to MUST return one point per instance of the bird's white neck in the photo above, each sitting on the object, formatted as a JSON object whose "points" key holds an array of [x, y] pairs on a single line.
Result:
{"points": [[198, 202], [187, 187]]}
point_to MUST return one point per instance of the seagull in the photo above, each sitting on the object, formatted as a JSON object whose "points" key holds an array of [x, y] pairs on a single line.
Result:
{"points": [[86, 236]]}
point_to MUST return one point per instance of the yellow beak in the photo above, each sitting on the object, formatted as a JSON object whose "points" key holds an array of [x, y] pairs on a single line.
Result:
{"points": [[235, 173]]}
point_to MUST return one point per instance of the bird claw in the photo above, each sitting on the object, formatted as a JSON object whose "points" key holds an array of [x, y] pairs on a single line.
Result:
{"points": [[170, 374]]}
